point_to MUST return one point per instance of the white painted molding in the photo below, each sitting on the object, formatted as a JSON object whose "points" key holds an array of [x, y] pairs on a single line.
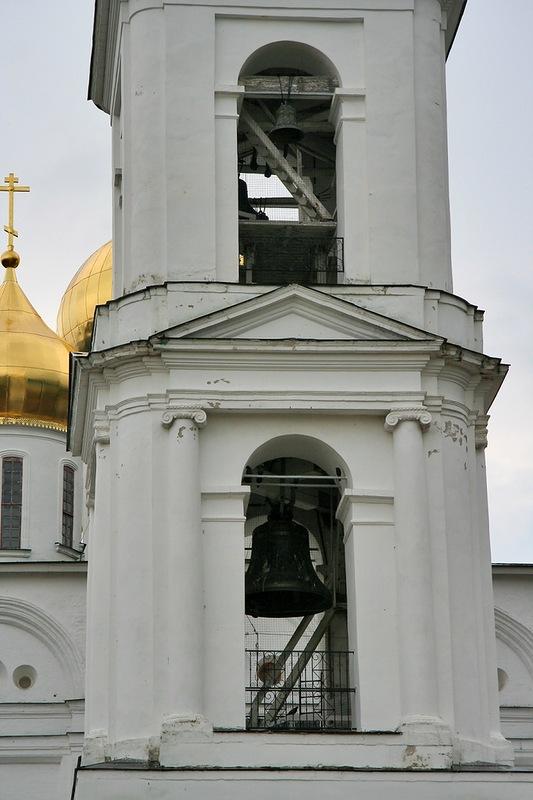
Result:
{"points": [[370, 507], [198, 416], [516, 636], [347, 105], [420, 415], [36, 622]]}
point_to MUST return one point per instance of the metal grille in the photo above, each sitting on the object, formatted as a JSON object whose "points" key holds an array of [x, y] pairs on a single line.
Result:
{"points": [[286, 258], [67, 523], [299, 690], [11, 522]]}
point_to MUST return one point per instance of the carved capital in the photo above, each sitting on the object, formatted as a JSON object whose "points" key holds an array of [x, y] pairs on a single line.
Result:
{"points": [[101, 430], [480, 427], [420, 415], [198, 416]]}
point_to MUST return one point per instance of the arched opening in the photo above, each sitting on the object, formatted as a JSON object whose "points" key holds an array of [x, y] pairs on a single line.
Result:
{"points": [[298, 662], [287, 176]]}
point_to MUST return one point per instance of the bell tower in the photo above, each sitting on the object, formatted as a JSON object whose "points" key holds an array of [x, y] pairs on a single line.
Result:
{"points": [[284, 413]]}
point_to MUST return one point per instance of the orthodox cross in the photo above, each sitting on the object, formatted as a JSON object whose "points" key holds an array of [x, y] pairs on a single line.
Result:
{"points": [[11, 187]]}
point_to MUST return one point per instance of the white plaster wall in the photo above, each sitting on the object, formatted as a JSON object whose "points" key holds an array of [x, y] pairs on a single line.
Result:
{"points": [[31, 780], [44, 454], [513, 595], [42, 625], [60, 596]]}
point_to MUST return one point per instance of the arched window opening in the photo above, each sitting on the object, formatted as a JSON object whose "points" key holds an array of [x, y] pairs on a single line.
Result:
{"points": [[287, 176], [298, 664], [67, 519], [11, 515]]}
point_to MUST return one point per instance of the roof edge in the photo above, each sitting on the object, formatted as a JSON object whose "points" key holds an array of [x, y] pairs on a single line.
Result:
{"points": [[455, 10]]}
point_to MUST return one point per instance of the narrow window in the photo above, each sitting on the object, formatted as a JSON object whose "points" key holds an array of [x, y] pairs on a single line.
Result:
{"points": [[68, 506], [11, 520]]}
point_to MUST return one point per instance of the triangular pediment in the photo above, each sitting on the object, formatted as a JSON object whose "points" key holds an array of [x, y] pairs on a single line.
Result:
{"points": [[295, 312]]}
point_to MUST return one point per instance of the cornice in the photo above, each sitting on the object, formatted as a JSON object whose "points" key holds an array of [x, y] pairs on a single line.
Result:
{"points": [[47, 567], [105, 32], [453, 11]]}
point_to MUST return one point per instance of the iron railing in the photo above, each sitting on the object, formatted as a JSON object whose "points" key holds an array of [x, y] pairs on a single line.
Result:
{"points": [[282, 259], [299, 690]]}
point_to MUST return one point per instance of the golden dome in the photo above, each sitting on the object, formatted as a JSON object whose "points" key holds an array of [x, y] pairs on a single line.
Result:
{"points": [[33, 363], [91, 286]]}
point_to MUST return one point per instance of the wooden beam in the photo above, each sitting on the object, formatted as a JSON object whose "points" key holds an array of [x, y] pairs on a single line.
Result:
{"points": [[280, 663], [268, 86], [306, 199], [282, 694]]}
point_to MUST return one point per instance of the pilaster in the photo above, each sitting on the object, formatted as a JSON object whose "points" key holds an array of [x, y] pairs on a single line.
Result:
{"points": [[98, 607], [348, 116], [368, 522], [223, 521], [227, 101]]}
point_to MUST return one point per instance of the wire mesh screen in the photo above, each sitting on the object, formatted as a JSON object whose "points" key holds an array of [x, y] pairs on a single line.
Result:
{"points": [[283, 257], [299, 690], [261, 189]]}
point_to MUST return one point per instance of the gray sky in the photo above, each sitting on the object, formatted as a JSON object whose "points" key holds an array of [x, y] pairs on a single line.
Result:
{"points": [[60, 144]]}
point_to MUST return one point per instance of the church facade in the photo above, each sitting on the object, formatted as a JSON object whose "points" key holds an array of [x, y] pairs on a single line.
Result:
{"points": [[276, 435]]}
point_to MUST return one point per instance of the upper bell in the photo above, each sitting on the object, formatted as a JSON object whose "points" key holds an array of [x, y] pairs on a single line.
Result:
{"points": [[286, 130], [280, 579]]}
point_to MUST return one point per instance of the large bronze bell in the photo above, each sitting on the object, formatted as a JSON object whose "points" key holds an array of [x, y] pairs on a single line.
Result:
{"points": [[286, 129], [280, 579]]}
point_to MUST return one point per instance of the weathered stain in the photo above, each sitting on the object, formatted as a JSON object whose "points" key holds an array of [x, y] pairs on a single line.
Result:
{"points": [[153, 755], [181, 429], [220, 380], [432, 452], [454, 432], [414, 760], [214, 403]]}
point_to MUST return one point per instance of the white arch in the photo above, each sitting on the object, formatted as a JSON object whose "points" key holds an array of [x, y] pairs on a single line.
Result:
{"points": [[291, 54], [516, 636], [308, 448], [27, 617]]}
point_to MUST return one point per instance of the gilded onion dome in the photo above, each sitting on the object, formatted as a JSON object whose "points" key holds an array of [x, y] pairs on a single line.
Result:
{"points": [[90, 286], [34, 364]]}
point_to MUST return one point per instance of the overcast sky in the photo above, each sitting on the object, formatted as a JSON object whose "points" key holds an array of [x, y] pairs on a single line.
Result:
{"points": [[60, 144]]}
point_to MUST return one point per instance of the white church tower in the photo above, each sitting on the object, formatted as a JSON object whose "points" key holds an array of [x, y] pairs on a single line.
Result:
{"points": [[283, 415]]}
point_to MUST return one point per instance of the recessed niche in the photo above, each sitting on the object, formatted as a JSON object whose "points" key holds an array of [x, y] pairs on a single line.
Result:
{"points": [[503, 677], [24, 677]]}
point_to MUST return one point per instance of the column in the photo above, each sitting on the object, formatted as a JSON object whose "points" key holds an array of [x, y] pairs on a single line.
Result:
{"points": [[223, 521], [348, 116], [418, 675], [226, 199], [98, 586]]}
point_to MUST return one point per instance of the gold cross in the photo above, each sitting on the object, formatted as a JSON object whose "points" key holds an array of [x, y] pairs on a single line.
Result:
{"points": [[11, 187]]}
